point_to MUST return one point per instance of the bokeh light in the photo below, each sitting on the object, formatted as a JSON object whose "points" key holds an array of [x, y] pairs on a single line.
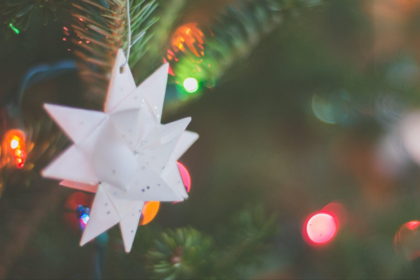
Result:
{"points": [[83, 215], [410, 131], [321, 228], [188, 35], [407, 240], [334, 106], [389, 109], [338, 211], [190, 85], [14, 141], [14, 28], [185, 175], [323, 109], [392, 159], [84, 219], [77, 210], [149, 212], [14, 144]]}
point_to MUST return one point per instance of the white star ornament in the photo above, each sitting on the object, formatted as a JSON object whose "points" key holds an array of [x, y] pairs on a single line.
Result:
{"points": [[123, 154]]}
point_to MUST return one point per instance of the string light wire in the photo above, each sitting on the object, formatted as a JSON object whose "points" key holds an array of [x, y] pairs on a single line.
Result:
{"points": [[129, 34]]}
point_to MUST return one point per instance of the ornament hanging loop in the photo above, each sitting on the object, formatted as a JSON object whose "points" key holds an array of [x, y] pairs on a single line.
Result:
{"points": [[127, 55]]}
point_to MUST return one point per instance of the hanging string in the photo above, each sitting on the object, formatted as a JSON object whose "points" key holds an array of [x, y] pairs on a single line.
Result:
{"points": [[129, 35]]}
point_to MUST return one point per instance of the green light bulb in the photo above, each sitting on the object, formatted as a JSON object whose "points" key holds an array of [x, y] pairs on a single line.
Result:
{"points": [[14, 28], [190, 85]]}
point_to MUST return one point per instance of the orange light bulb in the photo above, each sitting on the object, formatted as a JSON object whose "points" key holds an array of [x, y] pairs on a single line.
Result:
{"points": [[150, 209], [15, 141], [190, 35], [14, 144]]}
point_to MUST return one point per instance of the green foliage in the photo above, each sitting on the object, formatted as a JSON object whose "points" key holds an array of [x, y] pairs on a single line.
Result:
{"points": [[169, 14], [101, 29], [181, 254], [18, 12], [234, 34], [264, 134], [186, 253]]}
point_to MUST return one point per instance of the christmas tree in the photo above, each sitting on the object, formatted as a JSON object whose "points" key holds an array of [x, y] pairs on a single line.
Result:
{"points": [[307, 162]]}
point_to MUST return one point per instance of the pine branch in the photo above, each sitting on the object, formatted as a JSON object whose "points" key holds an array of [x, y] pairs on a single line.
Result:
{"points": [[233, 36], [188, 254], [169, 12], [181, 254], [169, 15], [250, 231], [100, 30], [18, 12]]}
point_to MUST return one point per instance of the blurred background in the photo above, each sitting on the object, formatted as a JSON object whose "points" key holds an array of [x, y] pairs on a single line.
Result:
{"points": [[308, 160]]}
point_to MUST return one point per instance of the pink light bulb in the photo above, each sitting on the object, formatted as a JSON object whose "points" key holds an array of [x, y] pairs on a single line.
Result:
{"points": [[186, 179], [321, 228]]}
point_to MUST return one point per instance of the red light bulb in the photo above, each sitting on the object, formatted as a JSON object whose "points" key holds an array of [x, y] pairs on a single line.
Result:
{"points": [[407, 240], [321, 228]]}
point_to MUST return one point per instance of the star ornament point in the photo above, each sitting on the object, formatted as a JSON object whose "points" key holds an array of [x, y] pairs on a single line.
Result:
{"points": [[123, 154]]}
